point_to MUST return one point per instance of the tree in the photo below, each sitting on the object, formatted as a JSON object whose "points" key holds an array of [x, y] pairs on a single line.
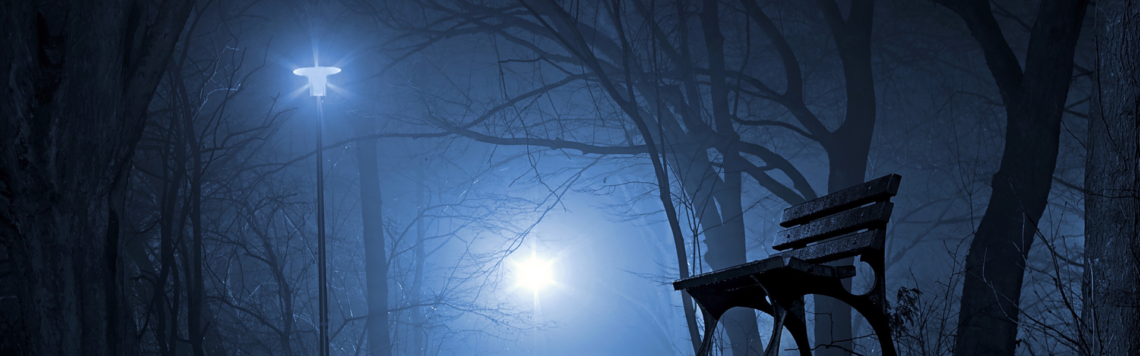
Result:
{"points": [[1112, 186], [1034, 98], [193, 145], [680, 90], [80, 78], [375, 257]]}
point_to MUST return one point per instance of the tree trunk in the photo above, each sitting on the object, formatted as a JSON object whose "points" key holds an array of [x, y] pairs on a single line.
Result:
{"points": [[1112, 182], [847, 149], [575, 41], [78, 80], [195, 290], [418, 317], [728, 248], [1034, 102], [375, 258], [174, 171]]}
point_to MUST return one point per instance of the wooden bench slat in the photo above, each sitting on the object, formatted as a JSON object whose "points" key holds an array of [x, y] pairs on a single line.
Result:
{"points": [[740, 275], [879, 189], [867, 217], [842, 247], [722, 275]]}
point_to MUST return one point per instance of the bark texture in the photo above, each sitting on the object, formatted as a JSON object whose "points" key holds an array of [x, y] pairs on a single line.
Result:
{"points": [[78, 77], [1112, 181]]}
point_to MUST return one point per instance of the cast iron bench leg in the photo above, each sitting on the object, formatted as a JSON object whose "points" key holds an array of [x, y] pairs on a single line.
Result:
{"points": [[710, 330]]}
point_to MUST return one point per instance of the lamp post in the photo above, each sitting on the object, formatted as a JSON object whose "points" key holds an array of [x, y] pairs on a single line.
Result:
{"points": [[318, 81]]}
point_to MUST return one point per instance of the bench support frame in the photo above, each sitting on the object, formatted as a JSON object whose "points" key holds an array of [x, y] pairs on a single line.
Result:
{"points": [[826, 229]]}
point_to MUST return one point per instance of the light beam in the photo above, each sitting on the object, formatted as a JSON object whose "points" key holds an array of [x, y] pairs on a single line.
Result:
{"points": [[534, 273]]}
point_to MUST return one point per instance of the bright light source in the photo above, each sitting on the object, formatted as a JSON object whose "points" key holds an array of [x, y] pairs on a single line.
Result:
{"points": [[318, 78], [534, 273]]}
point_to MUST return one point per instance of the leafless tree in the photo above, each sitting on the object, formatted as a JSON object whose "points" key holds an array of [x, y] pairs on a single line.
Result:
{"points": [[80, 78], [1034, 97], [694, 105], [1111, 313]]}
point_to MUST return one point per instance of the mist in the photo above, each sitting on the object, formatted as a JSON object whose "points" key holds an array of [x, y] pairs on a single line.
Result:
{"points": [[530, 177]]}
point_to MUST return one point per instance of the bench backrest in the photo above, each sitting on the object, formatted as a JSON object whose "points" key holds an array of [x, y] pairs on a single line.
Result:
{"points": [[843, 224]]}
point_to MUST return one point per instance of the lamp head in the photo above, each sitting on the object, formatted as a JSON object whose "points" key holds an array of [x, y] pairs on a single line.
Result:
{"points": [[318, 78], [534, 274]]}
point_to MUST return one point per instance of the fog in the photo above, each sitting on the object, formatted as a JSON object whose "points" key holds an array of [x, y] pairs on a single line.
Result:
{"points": [[530, 177]]}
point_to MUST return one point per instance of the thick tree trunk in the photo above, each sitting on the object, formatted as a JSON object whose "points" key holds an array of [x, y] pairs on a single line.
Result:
{"points": [[847, 149], [847, 166], [375, 257], [78, 81], [1112, 182], [1034, 102], [727, 247]]}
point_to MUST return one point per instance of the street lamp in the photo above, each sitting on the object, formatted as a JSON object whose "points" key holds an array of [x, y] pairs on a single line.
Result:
{"points": [[318, 78], [534, 274], [318, 81]]}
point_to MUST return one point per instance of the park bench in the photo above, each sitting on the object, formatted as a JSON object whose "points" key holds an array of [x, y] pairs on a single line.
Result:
{"points": [[847, 223]]}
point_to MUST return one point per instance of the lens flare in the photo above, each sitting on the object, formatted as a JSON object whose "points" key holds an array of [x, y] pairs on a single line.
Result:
{"points": [[534, 274], [318, 78]]}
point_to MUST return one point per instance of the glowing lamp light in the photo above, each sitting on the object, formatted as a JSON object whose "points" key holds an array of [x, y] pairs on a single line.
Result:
{"points": [[534, 274], [318, 78]]}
